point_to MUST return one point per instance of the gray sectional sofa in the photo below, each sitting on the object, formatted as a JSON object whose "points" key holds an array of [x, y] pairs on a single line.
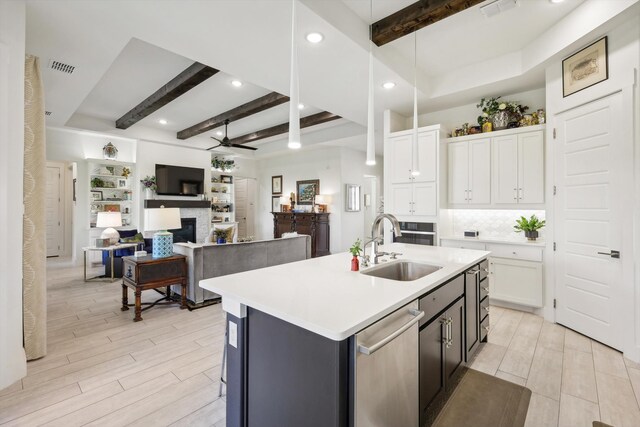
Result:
{"points": [[208, 260]]}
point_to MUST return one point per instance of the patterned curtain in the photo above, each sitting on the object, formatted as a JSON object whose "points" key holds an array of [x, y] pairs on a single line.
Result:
{"points": [[34, 234]]}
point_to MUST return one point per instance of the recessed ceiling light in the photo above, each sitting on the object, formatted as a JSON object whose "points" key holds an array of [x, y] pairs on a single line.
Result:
{"points": [[219, 133], [300, 106], [236, 83], [556, 1], [388, 85], [314, 37], [162, 121]]}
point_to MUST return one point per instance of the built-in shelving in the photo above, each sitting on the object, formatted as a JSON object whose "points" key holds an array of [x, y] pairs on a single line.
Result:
{"points": [[222, 197]]}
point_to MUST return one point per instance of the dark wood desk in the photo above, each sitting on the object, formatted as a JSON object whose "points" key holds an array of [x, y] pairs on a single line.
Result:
{"points": [[142, 273]]}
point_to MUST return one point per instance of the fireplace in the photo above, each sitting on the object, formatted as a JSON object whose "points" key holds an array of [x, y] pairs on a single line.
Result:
{"points": [[187, 233]]}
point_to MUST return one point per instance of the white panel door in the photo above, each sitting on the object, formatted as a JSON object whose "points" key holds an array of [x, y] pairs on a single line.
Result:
{"points": [[480, 172], [458, 172], [590, 164], [241, 196], [425, 199], [401, 199], [505, 169], [400, 159], [531, 168], [54, 210], [427, 157]]}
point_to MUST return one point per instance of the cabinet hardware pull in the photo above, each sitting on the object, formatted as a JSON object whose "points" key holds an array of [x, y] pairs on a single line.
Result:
{"points": [[515, 194], [486, 309], [470, 194], [473, 272], [449, 332], [417, 315], [520, 193]]}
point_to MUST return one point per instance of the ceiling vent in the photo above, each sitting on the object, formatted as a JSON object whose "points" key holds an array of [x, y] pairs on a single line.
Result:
{"points": [[62, 67], [47, 113], [497, 7]]}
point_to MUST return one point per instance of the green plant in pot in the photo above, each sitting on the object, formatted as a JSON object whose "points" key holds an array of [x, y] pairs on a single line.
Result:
{"points": [[355, 250], [529, 226]]}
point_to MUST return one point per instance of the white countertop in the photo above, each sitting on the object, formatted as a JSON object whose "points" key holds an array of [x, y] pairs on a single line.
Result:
{"points": [[322, 295], [508, 241]]}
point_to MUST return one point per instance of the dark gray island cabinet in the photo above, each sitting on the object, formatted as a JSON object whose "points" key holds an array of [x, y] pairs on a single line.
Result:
{"points": [[280, 374]]}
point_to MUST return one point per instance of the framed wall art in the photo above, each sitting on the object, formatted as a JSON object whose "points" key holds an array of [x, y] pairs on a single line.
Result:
{"points": [[585, 68], [276, 184], [275, 203], [307, 190]]}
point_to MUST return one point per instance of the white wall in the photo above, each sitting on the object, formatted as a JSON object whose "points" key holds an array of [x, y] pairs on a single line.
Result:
{"points": [[13, 362], [453, 118], [334, 167], [624, 63], [68, 145]]}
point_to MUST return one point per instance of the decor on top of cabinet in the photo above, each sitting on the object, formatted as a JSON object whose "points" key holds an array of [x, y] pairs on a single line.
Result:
{"points": [[110, 152], [499, 113], [355, 250], [529, 226], [223, 165]]}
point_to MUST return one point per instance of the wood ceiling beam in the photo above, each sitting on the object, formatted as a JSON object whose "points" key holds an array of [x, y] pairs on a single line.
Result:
{"points": [[416, 16], [180, 84], [252, 107], [305, 122]]}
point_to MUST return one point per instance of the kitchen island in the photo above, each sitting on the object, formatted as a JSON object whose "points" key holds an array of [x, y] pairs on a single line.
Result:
{"points": [[292, 330]]}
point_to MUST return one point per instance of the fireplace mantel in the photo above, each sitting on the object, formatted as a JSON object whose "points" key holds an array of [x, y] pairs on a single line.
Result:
{"points": [[193, 204]]}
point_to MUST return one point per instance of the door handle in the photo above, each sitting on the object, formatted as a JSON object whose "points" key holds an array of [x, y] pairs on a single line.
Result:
{"points": [[386, 340], [612, 254]]}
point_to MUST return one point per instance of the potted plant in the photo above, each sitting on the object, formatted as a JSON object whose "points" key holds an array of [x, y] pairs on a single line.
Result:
{"points": [[149, 185], [221, 235], [355, 250], [529, 226]]}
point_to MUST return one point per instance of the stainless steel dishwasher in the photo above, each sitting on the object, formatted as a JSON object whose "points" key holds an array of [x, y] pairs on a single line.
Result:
{"points": [[386, 370]]}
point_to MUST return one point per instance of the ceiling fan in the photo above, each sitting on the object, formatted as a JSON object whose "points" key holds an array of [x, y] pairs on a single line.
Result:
{"points": [[226, 142]]}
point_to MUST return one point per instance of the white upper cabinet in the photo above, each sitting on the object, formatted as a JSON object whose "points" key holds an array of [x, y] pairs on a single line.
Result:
{"points": [[469, 172], [409, 195], [498, 169], [518, 169]]}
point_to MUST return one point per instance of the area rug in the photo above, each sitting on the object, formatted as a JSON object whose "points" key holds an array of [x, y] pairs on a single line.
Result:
{"points": [[482, 400], [600, 424]]}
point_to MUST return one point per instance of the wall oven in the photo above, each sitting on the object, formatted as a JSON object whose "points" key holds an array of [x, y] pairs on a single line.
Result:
{"points": [[417, 233]]}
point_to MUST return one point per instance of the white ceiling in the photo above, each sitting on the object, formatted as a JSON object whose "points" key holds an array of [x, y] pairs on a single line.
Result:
{"points": [[124, 50]]}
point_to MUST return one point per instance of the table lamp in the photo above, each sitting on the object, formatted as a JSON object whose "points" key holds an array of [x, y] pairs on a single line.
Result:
{"points": [[322, 200], [109, 220], [160, 220], [284, 204]]}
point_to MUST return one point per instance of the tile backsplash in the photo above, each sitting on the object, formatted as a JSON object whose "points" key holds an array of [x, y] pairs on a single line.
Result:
{"points": [[491, 223]]}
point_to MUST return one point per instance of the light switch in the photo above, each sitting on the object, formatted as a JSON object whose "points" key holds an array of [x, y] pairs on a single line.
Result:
{"points": [[233, 334]]}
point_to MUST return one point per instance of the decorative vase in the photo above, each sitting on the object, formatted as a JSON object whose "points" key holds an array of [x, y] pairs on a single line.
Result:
{"points": [[500, 120], [148, 193], [355, 264], [531, 235], [221, 240], [487, 126]]}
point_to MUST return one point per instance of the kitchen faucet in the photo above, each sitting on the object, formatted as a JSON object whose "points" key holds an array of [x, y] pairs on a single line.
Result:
{"points": [[376, 237]]}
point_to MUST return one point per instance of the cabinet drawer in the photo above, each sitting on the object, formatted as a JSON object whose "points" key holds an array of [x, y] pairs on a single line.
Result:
{"points": [[484, 308], [526, 253], [436, 301], [484, 289], [484, 269], [484, 329], [462, 245]]}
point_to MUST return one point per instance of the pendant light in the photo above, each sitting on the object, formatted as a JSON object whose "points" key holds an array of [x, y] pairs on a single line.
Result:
{"points": [[371, 142], [415, 167], [294, 112]]}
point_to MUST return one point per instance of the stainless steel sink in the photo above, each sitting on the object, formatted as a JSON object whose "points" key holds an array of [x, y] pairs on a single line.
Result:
{"points": [[404, 271]]}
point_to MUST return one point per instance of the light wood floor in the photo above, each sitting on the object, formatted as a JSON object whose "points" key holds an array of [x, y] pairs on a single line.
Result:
{"points": [[103, 369]]}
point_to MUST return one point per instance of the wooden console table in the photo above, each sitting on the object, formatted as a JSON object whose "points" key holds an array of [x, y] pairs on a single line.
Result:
{"points": [[142, 273], [315, 225]]}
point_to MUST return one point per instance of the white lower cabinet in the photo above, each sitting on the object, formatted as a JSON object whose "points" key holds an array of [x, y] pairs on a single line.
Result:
{"points": [[516, 281], [515, 270]]}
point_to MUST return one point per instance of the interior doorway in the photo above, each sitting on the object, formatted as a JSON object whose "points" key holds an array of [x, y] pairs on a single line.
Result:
{"points": [[245, 197], [54, 208]]}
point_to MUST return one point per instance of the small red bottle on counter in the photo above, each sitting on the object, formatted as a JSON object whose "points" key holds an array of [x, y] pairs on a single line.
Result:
{"points": [[355, 264]]}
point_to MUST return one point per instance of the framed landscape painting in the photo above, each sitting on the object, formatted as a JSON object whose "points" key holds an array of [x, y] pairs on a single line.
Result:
{"points": [[585, 68], [307, 190]]}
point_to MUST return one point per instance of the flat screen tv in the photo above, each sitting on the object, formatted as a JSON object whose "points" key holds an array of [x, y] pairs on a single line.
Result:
{"points": [[179, 180]]}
